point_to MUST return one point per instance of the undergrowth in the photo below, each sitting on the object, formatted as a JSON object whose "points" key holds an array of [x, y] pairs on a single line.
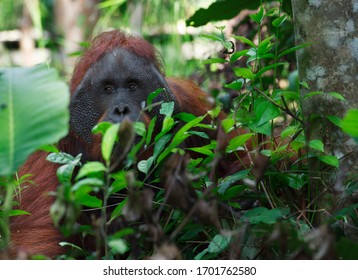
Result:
{"points": [[172, 206]]}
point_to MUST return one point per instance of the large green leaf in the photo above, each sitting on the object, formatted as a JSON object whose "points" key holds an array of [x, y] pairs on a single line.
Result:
{"points": [[33, 112], [220, 10], [226, 9], [350, 123]]}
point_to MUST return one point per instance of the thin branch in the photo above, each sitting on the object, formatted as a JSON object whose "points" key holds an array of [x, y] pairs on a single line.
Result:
{"points": [[285, 109]]}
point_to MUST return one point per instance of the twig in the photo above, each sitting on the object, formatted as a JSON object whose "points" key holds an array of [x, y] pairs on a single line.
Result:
{"points": [[285, 109]]}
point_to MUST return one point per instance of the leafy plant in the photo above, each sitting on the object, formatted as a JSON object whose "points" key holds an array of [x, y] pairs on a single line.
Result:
{"points": [[129, 205], [33, 113]]}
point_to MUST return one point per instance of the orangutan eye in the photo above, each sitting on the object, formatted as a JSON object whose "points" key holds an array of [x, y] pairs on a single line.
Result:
{"points": [[132, 86], [109, 89]]}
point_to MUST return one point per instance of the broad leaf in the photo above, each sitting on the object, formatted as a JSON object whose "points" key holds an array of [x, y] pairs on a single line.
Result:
{"points": [[33, 112], [350, 123], [109, 139], [219, 243], [220, 10]]}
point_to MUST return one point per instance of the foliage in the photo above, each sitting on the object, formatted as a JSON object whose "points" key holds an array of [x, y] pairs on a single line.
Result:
{"points": [[7, 9], [349, 123], [227, 9], [168, 205], [44, 124], [33, 113]]}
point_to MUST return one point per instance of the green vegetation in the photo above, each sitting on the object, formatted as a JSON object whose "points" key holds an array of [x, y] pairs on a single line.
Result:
{"points": [[169, 204]]}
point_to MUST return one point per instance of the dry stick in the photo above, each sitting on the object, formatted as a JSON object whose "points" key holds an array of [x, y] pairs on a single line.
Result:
{"points": [[205, 194]]}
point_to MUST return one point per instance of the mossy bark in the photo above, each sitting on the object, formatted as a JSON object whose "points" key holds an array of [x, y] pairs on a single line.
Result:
{"points": [[329, 64]]}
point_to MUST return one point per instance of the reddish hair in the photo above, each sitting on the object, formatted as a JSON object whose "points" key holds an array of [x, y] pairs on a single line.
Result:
{"points": [[106, 42]]}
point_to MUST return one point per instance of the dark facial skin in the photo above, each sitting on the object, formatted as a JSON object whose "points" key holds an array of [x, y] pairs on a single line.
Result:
{"points": [[116, 87]]}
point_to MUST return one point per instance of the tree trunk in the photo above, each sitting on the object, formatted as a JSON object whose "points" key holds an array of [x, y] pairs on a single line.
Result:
{"points": [[75, 20], [330, 64], [27, 41], [136, 10]]}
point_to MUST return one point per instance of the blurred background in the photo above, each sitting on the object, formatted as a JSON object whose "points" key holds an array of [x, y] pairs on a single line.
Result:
{"points": [[54, 31]]}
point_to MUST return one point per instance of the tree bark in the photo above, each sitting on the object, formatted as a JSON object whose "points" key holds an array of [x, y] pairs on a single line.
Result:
{"points": [[136, 10], [330, 64], [27, 41], [75, 20]]}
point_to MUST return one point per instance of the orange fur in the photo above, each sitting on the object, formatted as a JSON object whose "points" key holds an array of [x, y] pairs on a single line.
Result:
{"points": [[35, 233]]}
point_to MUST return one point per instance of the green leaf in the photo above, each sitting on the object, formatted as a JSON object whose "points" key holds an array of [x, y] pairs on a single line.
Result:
{"points": [[220, 10], [63, 244], [277, 22], [233, 192], [201, 134], [150, 130], [49, 149], [109, 138], [269, 67], [258, 16], [317, 145], [289, 131], [185, 117], [212, 37], [296, 181], [265, 111], [123, 233], [267, 153], [228, 181], [245, 40], [237, 84], [64, 172], [228, 124], [245, 73], [117, 212], [145, 165], [167, 109], [214, 113], [90, 168], [304, 84], [119, 183], [151, 97], [179, 137], [118, 246], [140, 128], [335, 120], [101, 128], [330, 160], [160, 144], [33, 113], [336, 95], [214, 60], [313, 93], [18, 212], [350, 123], [109, 3], [88, 200], [264, 215], [219, 243], [272, 12], [265, 46], [87, 182], [237, 55], [205, 150], [293, 49], [238, 141], [201, 255], [258, 56], [61, 158]]}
